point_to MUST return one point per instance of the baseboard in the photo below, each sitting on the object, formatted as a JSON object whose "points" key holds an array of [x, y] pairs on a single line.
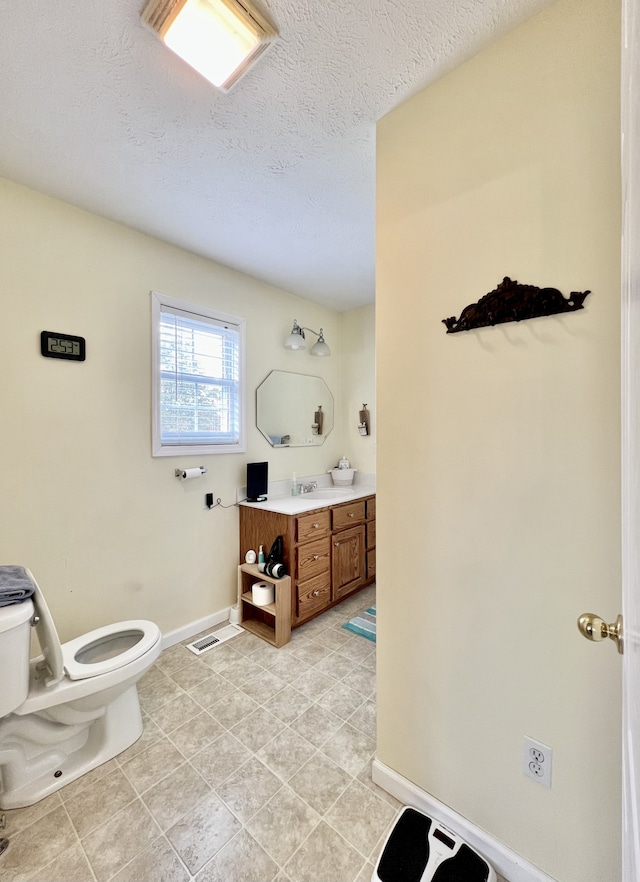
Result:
{"points": [[193, 628], [505, 862]]}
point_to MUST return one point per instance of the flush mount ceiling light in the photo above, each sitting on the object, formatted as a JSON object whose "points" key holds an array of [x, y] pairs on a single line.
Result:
{"points": [[220, 39], [296, 340]]}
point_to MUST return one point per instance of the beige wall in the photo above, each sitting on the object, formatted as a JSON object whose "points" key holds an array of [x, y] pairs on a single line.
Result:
{"points": [[108, 530], [498, 449], [358, 384]]}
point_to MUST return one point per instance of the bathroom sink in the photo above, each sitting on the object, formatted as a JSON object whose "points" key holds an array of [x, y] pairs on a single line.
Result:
{"points": [[328, 493]]}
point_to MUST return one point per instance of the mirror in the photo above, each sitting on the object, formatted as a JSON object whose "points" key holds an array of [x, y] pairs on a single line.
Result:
{"points": [[294, 410]]}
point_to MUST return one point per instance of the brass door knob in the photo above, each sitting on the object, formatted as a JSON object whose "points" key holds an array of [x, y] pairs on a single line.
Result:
{"points": [[594, 628]]}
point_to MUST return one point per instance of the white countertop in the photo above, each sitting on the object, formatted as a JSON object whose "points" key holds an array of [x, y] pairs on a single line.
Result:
{"points": [[322, 498]]}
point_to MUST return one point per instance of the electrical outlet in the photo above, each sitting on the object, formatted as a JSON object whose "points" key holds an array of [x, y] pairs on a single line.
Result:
{"points": [[536, 761]]}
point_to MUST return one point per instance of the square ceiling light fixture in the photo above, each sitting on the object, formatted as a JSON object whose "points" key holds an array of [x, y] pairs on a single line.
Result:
{"points": [[221, 39]]}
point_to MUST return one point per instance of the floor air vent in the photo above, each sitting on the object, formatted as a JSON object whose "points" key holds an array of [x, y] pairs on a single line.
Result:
{"points": [[202, 644]]}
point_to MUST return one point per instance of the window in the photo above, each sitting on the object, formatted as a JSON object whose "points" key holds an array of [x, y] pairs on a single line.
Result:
{"points": [[198, 379]]}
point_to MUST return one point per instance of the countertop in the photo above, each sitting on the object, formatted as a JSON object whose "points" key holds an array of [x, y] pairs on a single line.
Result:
{"points": [[292, 505]]}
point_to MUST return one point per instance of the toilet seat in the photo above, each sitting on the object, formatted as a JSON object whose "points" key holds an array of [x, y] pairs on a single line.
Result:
{"points": [[60, 660], [43, 697], [140, 634]]}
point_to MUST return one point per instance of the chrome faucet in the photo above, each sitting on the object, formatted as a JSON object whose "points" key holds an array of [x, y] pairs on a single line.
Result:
{"points": [[307, 488]]}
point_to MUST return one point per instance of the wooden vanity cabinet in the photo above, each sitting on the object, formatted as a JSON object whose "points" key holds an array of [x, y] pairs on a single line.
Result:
{"points": [[327, 551]]}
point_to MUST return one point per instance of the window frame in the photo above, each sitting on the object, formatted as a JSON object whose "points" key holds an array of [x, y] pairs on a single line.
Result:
{"points": [[158, 301]]}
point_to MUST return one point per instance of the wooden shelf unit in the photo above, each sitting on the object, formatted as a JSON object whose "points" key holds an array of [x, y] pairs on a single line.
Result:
{"points": [[329, 551], [272, 622]]}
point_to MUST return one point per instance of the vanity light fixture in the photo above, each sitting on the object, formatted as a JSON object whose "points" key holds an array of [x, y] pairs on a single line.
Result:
{"points": [[296, 340], [221, 39]]}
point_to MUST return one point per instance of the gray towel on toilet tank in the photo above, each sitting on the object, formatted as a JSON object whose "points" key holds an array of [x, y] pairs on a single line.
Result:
{"points": [[15, 585]]}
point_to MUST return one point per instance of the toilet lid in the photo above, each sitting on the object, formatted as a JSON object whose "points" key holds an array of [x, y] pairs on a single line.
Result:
{"points": [[47, 637], [109, 648]]}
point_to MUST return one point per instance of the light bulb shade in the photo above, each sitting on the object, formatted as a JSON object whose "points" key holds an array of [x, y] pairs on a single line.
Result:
{"points": [[295, 340], [218, 38], [320, 349]]}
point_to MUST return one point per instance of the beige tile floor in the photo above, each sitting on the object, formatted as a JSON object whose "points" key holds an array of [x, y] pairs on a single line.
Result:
{"points": [[254, 765]]}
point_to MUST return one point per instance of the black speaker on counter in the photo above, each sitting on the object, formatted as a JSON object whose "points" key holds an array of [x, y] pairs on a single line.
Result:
{"points": [[257, 481]]}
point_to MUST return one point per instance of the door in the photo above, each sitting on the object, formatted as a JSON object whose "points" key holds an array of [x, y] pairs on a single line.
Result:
{"points": [[347, 561], [630, 95]]}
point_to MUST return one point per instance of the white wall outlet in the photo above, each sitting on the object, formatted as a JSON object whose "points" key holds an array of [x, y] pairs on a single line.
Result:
{"points": [[536, 761]]}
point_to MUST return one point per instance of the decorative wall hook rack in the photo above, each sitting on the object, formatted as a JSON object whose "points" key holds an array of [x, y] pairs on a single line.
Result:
{"points": [[363, 416], [513, 302]]}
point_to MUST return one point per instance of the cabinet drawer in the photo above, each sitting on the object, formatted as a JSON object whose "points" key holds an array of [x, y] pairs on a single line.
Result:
{"points": [[313, 558], [313, 595], [371, 508], [371, 564], [371, 534], [312, 525], [347, 515]]}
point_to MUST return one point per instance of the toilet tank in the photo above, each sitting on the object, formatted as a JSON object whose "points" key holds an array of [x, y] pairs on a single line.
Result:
{"points": [[15, 645]]}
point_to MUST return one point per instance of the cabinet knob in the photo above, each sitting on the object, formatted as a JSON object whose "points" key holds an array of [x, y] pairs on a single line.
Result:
{"points": [[337, 544], [352, 514], [316, 526], [316, 556], [315, 593]]}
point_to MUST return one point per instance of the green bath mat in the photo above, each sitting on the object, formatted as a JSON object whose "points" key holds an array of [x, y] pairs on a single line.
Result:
{"points": [[363, 624]]}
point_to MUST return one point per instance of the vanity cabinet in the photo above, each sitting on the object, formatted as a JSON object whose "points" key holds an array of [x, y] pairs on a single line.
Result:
{"points": [[328, 552]]}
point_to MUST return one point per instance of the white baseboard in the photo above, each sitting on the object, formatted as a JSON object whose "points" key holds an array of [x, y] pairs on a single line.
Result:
{"points": [[504, 861], [193, 628]]}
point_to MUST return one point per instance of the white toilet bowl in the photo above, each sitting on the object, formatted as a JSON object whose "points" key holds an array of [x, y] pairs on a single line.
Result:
{"points": [[72, 708]]}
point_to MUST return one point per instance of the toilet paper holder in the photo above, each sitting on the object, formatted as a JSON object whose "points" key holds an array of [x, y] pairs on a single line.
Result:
{"points": [[190, 473]]}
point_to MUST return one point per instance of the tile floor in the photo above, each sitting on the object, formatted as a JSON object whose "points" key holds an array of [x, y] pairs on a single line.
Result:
{"points": [[254, 765]]}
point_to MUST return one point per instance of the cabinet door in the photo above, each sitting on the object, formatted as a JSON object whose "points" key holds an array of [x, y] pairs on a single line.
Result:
{"points": [[347, 561]]}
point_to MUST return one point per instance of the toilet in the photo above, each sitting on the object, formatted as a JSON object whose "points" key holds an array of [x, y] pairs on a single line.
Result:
{"points": [[73, 707]]}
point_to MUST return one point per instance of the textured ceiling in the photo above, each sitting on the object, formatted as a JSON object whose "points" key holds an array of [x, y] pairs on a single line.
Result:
{"points": [[275, 178]]}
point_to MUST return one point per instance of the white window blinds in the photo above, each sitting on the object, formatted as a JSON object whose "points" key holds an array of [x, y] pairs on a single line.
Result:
{"points": [[198, 383]]}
